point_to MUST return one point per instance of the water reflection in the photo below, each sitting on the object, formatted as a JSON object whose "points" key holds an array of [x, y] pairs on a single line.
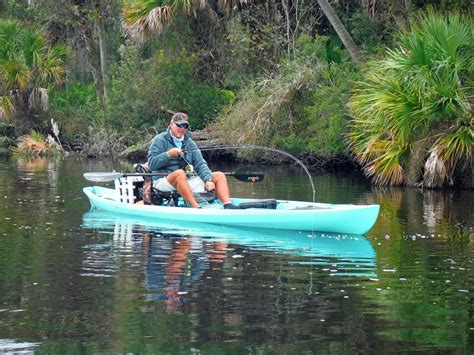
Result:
{"points": [[174, 266], [9, 346], [176, 256]]}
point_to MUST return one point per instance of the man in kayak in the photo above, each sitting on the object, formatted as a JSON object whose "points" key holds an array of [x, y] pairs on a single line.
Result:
{"points": [[175, 153]]}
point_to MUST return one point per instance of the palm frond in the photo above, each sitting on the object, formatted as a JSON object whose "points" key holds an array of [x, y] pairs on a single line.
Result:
{"points": [[33, 47], [385, 164], [445, 34], [6, 108], [144, 18], [386, 168], [51, 69], [15, 74], [457, 144]]}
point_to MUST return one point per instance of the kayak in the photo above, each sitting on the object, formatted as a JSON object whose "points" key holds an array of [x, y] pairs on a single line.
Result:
{"points": [[347, 254], [283, 214]]}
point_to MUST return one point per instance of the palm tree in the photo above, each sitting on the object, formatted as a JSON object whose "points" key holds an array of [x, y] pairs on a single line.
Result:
{"points": [[413, 113], [28, 68], [142, 18]]}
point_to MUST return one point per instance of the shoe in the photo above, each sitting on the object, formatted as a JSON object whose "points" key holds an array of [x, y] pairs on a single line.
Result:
{"points": [[230, 206]]}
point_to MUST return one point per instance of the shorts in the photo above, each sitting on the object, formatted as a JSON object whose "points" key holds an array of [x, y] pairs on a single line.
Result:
{"points": [[195, 182]]}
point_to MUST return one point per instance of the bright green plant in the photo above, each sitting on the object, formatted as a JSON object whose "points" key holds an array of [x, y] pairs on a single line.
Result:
{"points": [[29, 67], [413, 107]]}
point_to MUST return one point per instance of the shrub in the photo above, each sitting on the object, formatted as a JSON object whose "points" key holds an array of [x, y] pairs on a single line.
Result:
{"points": [[143, 93], [302, 109], [75, 109], [36, 145]]}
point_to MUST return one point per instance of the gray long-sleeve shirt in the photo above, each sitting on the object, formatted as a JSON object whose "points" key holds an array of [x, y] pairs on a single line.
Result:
{"points": [[158, 160]]}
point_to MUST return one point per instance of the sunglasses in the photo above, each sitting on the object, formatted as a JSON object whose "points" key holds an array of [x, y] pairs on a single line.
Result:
{"points": [[182, 125]]}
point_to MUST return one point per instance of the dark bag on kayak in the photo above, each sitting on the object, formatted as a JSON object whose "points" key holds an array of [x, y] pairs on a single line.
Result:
{"points": [[146, 192]]}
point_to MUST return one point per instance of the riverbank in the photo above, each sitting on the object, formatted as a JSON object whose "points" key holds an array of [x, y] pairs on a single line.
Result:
{"points": [[215, 149]]}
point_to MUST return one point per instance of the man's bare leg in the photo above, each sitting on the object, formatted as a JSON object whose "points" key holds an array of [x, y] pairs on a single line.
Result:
{"points": [[222, 188], [179, 180]]}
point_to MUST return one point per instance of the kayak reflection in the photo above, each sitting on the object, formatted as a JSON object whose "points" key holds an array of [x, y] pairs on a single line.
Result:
{"points": [[177, 255]]}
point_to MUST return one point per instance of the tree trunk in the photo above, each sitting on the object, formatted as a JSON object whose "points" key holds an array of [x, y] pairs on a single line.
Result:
{"points": [[341, 31], [286, 9], [416, 162], [102, 47], [400, 13]]}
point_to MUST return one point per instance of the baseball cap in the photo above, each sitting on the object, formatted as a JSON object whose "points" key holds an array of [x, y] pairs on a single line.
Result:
{"points": [[179, 118]]}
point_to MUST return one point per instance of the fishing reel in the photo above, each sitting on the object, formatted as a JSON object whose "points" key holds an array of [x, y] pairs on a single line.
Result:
{"points": [[189, 169]]}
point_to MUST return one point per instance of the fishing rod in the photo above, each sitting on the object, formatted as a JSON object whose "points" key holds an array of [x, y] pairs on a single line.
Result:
{"points": [[252, 146]]}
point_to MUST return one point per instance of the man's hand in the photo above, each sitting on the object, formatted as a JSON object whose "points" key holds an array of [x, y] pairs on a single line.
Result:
{"points": [[174, 152], [209, 185]]}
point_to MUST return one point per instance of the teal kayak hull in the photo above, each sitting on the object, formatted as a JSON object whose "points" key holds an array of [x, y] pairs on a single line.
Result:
{"points": [[289, 215]]}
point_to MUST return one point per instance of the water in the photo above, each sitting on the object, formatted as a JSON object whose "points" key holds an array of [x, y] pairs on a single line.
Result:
{"points": [[80, 281]]}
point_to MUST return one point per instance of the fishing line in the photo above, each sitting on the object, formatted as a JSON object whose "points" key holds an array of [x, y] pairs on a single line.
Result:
{"points": [[275, 150]]}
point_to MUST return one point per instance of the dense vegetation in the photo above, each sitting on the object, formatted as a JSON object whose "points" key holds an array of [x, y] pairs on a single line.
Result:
{"points": [[276, 73]]}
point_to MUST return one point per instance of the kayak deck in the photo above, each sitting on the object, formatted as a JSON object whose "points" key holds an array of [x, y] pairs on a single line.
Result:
{"points": [[289, 215]]}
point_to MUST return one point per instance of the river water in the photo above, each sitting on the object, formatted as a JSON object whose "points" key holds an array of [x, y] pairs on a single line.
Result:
{"points": [[79, 281]]}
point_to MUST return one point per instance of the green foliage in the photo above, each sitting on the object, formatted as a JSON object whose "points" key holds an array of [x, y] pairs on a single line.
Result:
{"points": [[235, 54], [370, 31], [258, 31], [417, 96], [323, 119], [143, 92], [6, 129], [302, 110], [75, 109], [446, 5], [299, 102], [328, 112]]}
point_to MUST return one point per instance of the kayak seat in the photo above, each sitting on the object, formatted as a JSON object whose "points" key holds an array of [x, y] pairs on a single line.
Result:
{"points": [[153, 196]]}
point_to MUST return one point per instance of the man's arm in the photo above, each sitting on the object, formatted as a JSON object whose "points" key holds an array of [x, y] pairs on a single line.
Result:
{"points": [[157, 154]]}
